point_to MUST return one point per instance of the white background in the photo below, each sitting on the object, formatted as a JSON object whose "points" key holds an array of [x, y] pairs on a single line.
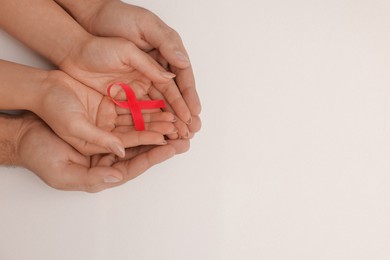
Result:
{"points": [[292, 161]]}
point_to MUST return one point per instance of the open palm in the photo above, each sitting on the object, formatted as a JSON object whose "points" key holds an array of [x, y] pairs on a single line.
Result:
{"points": [[86, 119], [103, 60]]}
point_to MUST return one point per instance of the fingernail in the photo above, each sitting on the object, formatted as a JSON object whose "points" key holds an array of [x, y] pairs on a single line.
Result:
{"points": [[167, 75], [175, 130], [164, 142], [111, 179], [187, 135], [189, 121], [180, 56], [117, 149], [174, 119]]}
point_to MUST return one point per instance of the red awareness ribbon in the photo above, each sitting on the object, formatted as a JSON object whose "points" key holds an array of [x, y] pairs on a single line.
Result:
{"points": [[135, 106]]}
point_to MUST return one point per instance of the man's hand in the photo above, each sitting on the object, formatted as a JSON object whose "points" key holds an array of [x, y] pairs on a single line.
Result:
{"points": [[62, 167]]}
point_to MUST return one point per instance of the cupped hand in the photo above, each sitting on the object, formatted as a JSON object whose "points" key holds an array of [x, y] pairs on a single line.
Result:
{"points": [[86, 119], [62, 167], [147, 32], [100, 61]]}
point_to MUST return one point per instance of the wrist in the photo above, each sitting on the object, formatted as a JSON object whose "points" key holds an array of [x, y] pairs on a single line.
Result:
{"points": [[99, 20], [20, 88], [84, 12], [10, 133], [70, 50], [38, 92], [42, 95], [28, 125]]}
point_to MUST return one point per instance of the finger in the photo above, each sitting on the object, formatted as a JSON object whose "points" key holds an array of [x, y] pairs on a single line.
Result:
{"points": [[180, 146], [137, 138], [182, 129], [156, 55], [168, 42], [139, 164], [186, 82], [172, 131], [106, 115], [170, 45], [195, 125], [145, 64], [174, 100], [162, 128], [77, 177], [91, 134], [133, 152], [123, 120], [104, 159]]}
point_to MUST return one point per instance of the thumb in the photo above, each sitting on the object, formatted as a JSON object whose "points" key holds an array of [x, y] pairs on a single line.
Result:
{"points": [[145, 64], [95, 136], [78, 177]]}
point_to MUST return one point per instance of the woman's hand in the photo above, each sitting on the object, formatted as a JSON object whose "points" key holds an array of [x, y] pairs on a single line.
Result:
{"points": [[113, 18], [147, 31], [94, 61], [86, 119], [101, 61]]}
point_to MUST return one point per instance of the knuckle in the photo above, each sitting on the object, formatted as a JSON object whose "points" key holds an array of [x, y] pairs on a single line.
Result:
{"points": [[89, 187], [171, 33]]}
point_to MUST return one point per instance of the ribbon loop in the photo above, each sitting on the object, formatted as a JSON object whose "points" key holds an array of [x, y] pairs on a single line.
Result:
{"points": [[135, 106]]}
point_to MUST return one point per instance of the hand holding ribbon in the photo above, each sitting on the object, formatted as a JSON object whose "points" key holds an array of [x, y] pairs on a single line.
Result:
{"points": [[135, 106]]}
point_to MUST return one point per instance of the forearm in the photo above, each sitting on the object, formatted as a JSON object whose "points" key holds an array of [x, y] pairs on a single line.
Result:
{"points": [[83, 11], [10, 132], [20, 86], [42, 25]]}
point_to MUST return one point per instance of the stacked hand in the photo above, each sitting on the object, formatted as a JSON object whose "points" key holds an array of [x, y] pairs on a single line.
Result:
{"points": [[78, 138]]}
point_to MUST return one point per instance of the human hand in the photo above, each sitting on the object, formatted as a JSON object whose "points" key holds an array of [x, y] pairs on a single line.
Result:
{"points": [[87, 119], [63, 168], [101, 61], [112, 18]]}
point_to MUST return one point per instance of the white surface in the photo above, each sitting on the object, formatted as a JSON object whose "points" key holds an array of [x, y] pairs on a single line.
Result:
{"points": [[292, 161]]}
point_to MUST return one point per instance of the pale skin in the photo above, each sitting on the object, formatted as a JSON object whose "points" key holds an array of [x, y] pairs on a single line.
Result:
{"points": [[27, 141], [94, 61], [81, 116]]}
